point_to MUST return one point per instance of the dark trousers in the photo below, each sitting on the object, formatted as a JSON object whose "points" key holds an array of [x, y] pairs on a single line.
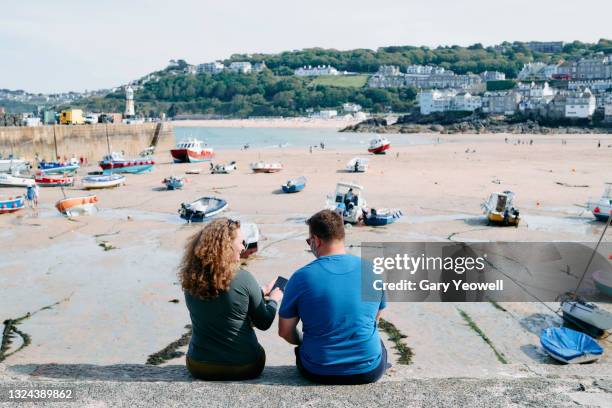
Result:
{"points": [[351, 379], [227, 372]]}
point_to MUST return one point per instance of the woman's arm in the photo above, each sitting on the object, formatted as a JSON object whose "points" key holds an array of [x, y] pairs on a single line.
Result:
{"points": [[261, 312]]}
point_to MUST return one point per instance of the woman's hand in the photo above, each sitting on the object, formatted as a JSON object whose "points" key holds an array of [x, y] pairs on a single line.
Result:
{"points": [[276, 295], [267, 288]]}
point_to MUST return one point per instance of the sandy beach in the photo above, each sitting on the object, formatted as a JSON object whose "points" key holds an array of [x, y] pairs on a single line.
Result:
{"points": [[115, 307]]}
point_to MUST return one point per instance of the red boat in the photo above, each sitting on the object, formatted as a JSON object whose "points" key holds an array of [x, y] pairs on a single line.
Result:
{"points": [[53, 181], [379, 145], [191, 151]]}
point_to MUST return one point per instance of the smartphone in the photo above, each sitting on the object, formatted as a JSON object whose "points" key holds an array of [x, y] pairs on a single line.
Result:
{"points": [[280, 283]]}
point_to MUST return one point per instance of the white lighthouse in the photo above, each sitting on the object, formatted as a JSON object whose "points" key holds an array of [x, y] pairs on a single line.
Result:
{"points": [[129, 103]]}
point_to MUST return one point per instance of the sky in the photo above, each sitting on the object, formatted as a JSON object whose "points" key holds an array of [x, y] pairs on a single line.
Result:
{"points": [[63, 45]]}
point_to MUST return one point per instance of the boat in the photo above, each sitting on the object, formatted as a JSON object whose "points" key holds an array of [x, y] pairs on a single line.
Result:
{"points": [[266, 167], [569, 346], [379, 145], [603, 282], [602, 209], [191, 151], [224, 168], [250, 232], [294, 185], [58, 167], [357, 165], [44, 180], [379, 217], [586, 315], [348, 200], [173, 183], [8, 180], [11, 165], [12, 204], [193, 171], [116, 163], [499, 209], [201, 209], [77, 205], [92, 182]]}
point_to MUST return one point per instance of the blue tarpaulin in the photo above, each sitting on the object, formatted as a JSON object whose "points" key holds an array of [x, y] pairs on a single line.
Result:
{"points": [[566, 344]]}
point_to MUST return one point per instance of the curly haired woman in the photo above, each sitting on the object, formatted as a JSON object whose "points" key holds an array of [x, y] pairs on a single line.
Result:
{"points": [[224, 303]]}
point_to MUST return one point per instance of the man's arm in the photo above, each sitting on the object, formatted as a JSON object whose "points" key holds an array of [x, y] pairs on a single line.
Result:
{"points": [[287, 329]]}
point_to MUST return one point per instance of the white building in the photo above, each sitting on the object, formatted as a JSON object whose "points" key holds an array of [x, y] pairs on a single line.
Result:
{"points": [[424, 70], [447, 100], [211, 68], [539, 70], [351, 107], [580, 105], [319, 70], [502, 102], [325, 114], [492, 76], [241, 67], [389, 70]]}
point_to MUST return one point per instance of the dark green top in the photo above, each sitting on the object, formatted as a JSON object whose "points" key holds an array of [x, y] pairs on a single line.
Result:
{"points": [[223, 326]]}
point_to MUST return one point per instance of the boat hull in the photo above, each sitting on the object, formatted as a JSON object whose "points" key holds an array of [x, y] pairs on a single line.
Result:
{"points": [[189, 213], [104, 181], [132, 167], [293, 188], [59, 170], [77, 205], [11, 205], [6, 180], [191, 156], [380, 149], [496, 218], [380, 220], [266, 170], [44, 181]]}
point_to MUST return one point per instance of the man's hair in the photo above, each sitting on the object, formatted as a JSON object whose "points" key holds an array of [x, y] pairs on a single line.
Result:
{"points": [[327, 225]]}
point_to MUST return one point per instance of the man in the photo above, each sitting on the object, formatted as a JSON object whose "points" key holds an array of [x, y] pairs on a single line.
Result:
{"points": [[340, 343]]}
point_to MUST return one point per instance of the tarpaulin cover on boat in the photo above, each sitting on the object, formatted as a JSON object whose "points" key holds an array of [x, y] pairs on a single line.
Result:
{"points": [[566, 344]]}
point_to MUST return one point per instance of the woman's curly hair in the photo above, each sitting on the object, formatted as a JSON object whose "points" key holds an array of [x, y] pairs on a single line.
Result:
{"points": [[208, 265]]}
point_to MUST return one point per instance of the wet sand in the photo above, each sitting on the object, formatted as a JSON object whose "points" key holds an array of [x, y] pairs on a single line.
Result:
{"points": [[118, 307]]}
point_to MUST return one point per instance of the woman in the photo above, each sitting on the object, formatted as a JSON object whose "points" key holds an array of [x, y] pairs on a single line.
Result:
{"points": [[224, 303]]}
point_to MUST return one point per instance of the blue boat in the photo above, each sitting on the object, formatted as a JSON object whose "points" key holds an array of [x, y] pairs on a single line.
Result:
{"points": [[58, 167], [377, 218], [12, 204], [570, 346], [173, 183], [115, 163], [294, 185], [202, 209]]}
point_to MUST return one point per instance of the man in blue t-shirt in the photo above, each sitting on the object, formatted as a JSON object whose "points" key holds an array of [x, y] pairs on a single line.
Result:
{"points": [[340, 344]]}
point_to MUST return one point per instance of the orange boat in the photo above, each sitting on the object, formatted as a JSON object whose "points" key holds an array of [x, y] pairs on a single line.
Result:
{"points": [[77, 205]]}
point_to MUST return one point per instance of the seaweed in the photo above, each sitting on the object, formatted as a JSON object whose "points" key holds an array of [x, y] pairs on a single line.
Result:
{"points": [[500, 356], [171, 350], [397, 337]]}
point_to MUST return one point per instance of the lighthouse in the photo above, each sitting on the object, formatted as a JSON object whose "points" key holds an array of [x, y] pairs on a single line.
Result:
{"points": [[129, 103]]}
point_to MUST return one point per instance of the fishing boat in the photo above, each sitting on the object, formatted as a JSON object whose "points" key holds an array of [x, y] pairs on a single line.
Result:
{"points": [[569, 346], [58, 167], [11, 165], [348, 200], [603, 282], [11, 204], [77, 205], [191, 151], [357, 165], [8, 180], [379, 145], [499, 209], [250, 232], [224, 168], [202, 209], [44, 180], [294, 185], [602, 209], [173, 183], [116, 163], [266, 167], [92, 182], [586, 315], [380, 217]]}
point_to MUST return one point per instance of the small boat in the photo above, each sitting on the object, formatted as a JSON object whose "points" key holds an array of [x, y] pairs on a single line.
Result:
{"points": [[8, 180], [191, 151], [44, 180], [499, 209], [193, 171], [202, 209], [116, 163], [224, 168], [581, 313], [77, 205], [251, 238], [11, 165], [12, 204], [58, 167], [173, 183], [379, 217], [294, 185], [602, 209], [379, 145], [348, 200], [102, 181], [357, 165], [569, 346], [265, 167], [603, 282]]}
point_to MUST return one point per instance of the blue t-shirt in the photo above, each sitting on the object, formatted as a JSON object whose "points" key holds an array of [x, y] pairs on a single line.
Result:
{"points": [[340, 332]]}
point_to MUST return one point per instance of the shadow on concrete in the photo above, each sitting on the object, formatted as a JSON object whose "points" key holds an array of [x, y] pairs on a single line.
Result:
{"points": [[274, 375]]}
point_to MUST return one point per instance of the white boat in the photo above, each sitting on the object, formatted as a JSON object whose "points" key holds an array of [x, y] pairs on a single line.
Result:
{"points": [[266, 167], [8, 180], [191, 151], [102, 181], [84, 205], [578, 312], [10, 165], [379, 145], [499, 208], [348, 200], [357, 165], [224, 168], [603, 208]]}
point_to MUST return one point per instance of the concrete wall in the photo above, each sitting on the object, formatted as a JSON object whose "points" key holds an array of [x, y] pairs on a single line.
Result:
{"points": [[88, 141]]}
